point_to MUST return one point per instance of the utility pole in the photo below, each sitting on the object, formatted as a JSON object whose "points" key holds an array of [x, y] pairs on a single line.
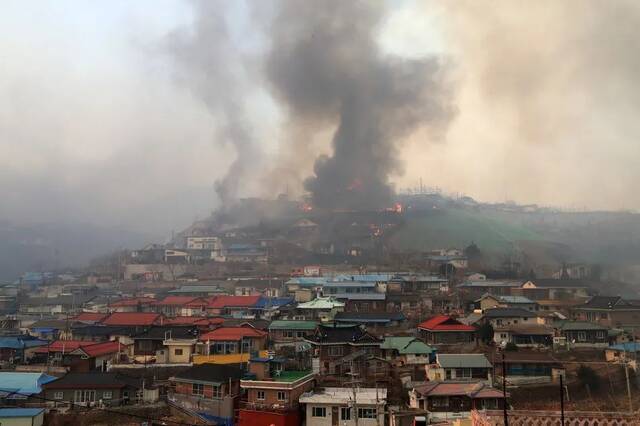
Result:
{"points": [[504, 390], [561, 401], [626, 373]]}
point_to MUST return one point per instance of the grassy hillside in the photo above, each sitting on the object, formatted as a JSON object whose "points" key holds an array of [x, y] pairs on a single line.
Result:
{"points": [[441, 228]]}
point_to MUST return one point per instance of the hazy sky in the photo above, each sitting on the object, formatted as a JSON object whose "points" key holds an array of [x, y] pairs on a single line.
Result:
{"points": [[100, 123]]}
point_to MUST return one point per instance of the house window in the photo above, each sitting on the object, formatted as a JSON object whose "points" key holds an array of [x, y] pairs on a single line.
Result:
{"points": [[300, 334], [335, 350], [84, 396], [260, 395], [367, 413], [600, 334], [282, 396], [318, 412], [440, 401], [58, 395], [107, 394], [216, 392], [498, 322], [177, 352], [345, 413], [287, 333], [197, 389], [582, 336]]}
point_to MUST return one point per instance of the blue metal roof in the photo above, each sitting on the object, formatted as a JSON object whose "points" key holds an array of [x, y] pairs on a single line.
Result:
{"points": [[19, 412], [626, 347], [273, 302], [22, 385], [20, 342]]}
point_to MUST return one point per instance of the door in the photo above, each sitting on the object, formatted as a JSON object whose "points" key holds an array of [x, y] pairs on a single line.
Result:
{"points": [[334, 416], [455, 404]]}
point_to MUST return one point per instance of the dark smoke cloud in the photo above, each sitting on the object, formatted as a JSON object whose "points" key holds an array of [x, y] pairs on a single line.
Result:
{"points": [[214, 68], [326, 66]]}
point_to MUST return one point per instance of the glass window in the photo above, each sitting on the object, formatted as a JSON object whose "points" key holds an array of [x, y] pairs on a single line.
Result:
{"points": [[107, 394], [260, 395], [318, 412], [582, 336], [439, 401], [197, 389], [282, 396], [367, 413], [345, 413], [300, 334], [58, 395], [288, 333], [335, 350], [177, 352], [217, 392]]}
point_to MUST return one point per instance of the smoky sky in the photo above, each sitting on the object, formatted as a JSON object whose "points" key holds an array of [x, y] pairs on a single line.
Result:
{"points": [[326, 66], [128, 115]]}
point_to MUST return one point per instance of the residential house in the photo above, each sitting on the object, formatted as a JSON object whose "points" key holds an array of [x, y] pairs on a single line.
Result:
{"points": [[165, 344], [89, 317], [622, 352], [211, 390], [96, 356], [95, 388], [135, 304], [414, 306], [102, 333], [359, 296], [340, 347], [269, 307], [19, 388], [581, 334], [443, 329], [476, 289], [268, 287], [609, 311], [172, 306], [527, 367], [51, 329], [503, 317], [290, 333], [199, 290], [18, 349], [449, 401], [459, 367], [321, 309], [62, 304], [139, 320], [407, 351], [22, 416], [417, 284], [345, 407], [230, 345], [524, 335], [245, 253], [373, 321], [489, 301], [236, 306], [272, 394], [545, 289]]}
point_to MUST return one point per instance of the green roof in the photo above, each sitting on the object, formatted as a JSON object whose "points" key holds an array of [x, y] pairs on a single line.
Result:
{"points": [[291, 376], [321, 303], [406, 345], [292, 325]]}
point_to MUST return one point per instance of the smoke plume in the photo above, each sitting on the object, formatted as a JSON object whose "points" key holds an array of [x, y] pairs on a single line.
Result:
{"points": [[326, 67]]}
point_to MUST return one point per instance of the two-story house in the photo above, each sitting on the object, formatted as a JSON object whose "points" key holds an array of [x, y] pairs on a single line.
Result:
{"points": [[321, 309], [230, 345], [345, 406], [290, 333], [359, 296], [609, 311]]}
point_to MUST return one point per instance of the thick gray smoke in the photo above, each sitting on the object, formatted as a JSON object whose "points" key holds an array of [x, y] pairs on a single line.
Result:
{"points": [[213, 68], [325, 64]]}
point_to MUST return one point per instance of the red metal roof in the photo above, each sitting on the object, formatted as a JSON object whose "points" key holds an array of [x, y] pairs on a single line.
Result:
{"points": [[131, 318], [232, 333], [176, 300], [444, 323], [220, 302], [102, 348], [90, 316], [192, 321], [65, 346], [135, 301]]}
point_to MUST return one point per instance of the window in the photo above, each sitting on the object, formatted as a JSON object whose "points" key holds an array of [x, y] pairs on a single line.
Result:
{"points": [[345, 413], [318, 412], [84, 396], [282, 396], [260, 396], [300, 334], [197, 389], [335, 350], [58, 395], [145, 345], [582, 336], [600, 334], [439, 401], [107, 394], [367, 413], [177, 352], [287, 333], [217, 392]]}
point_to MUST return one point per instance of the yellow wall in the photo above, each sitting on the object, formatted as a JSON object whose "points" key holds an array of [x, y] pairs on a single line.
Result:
{"points": [[225, 359]]}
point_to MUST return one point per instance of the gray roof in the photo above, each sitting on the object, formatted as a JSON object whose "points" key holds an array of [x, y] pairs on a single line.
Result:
{"points": [[463, 361], [580, 325], [507, 313]]}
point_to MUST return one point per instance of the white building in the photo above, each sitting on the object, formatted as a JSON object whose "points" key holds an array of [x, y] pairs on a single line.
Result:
{"points": [[332, 406]]}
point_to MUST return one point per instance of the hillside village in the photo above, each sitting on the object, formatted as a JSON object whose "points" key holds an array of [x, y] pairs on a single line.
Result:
{"points": [[221, 330]]}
